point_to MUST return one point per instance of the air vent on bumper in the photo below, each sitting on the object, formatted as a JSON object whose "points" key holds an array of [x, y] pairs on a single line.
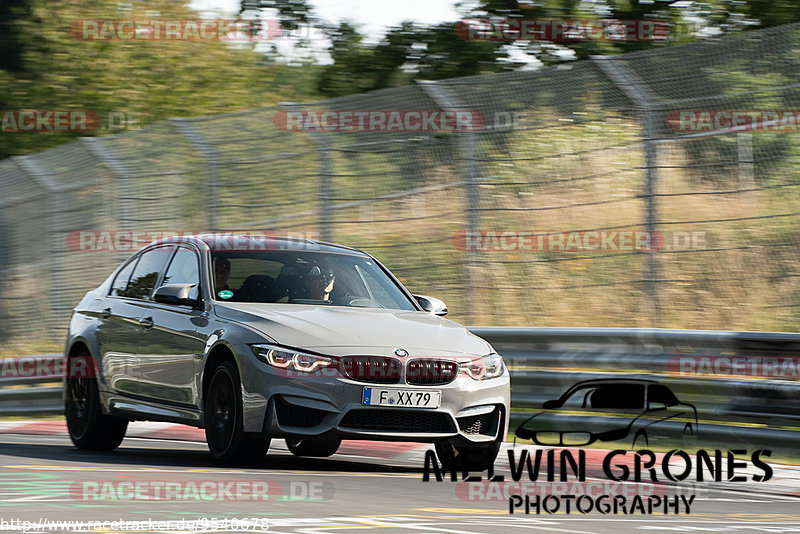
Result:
{"points": [[398, 421], [297, 416]]}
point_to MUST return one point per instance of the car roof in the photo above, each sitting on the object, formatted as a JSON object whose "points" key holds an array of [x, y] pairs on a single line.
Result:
{"points": [[252, 243], [611, 381], [600, 381]]}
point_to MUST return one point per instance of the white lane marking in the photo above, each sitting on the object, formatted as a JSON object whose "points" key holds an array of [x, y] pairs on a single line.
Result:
{"points": [[353, 523], [196, 471], [32, 498], [551, 528], [148, 426], [760, 527], [13, 424]]}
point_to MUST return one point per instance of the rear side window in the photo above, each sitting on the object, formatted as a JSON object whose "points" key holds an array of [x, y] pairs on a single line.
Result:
{"points": [[184, 269], [146, 272], [121, 281], [662, 394]]}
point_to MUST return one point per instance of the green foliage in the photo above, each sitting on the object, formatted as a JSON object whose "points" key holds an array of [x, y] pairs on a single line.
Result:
{"points": [[45, 68], [435, 52], [292, 13], [13, 38]]}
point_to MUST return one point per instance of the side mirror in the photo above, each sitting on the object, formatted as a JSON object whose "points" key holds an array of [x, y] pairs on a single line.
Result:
{"points": [[177, 294], [432, 305], [551, 405]]}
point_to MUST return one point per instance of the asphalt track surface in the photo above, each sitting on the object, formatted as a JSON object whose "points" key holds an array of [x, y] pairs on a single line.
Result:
{"points": [[44, 478]]}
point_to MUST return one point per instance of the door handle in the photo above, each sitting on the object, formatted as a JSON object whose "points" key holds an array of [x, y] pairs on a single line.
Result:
{"points": [[106, 313], [147, 322]]}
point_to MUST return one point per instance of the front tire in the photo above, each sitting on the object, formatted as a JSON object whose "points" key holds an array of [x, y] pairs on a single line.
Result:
{"points": [[225, 435], [89, 428], [320, 448]]}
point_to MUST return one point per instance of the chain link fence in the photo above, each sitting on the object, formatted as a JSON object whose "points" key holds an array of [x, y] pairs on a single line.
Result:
{"points": [[656, 189]]}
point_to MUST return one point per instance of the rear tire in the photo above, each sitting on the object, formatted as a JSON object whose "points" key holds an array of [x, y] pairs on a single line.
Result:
{"points": [[641, 436], [469, 458], [225, 435], [689, 436], [320, 448], [89, 428]]}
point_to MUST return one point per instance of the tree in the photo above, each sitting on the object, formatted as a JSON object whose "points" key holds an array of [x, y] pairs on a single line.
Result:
{"points": [[434, 52], [14, 15], [291, 13], [45, 68]]}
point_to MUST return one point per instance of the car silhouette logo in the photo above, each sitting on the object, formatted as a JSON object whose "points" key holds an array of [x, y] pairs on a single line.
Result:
{"points": [[611, 410], [401, 352]]}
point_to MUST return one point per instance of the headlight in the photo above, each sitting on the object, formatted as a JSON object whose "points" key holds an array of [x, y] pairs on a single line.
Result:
{"points": [[294, 361], [490, 366]]}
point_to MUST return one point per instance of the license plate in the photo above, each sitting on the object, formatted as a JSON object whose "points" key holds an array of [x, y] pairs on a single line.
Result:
{"points": [[412, 398]]}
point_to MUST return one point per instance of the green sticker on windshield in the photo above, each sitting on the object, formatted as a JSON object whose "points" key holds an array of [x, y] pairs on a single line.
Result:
{"points": [[225, 294]]}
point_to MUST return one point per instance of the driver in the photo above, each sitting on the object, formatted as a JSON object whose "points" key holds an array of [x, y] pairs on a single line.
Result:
{"points": [[319, 283], [222, 271]]}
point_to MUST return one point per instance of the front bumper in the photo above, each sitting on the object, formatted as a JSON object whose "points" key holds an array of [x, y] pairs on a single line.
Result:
{"points": [[470, 412]]}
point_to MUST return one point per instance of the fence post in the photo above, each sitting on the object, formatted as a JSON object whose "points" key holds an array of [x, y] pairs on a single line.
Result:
{"points": [[199, 142], [471, 174], [122, 174], [323, 148], [52, 200], [746, 167], [646, 105], [4, 268]]}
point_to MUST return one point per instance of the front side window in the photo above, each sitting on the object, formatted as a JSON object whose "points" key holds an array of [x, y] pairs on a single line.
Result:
{"points": [[121, 280], [302, 277], [146, 272], [618, 397], [184, 269]]}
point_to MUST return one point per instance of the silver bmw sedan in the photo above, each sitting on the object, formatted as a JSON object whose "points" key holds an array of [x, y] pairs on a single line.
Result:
{"points": [[254, 339]]}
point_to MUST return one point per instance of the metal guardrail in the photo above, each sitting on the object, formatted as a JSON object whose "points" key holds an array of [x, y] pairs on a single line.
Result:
{"points": [[32, 385], [737, 404], [745, 403]]}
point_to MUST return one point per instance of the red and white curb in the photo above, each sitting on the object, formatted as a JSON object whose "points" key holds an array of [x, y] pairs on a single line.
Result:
{"points": [[176, 432], [785, 481]]}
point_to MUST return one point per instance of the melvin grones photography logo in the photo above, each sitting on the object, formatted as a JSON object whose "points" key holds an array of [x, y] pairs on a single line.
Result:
{"points": [[560, 477], [630, 482]]}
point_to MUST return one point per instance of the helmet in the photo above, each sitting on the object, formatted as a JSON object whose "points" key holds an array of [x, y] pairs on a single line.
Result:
{"points": [[294, 279], [325, 273]]}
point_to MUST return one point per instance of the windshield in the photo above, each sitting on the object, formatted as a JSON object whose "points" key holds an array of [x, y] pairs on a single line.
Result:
{"points": [[301, 277], [608, 396]]}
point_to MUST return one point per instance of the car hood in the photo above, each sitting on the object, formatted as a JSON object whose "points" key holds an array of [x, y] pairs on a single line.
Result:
{"points": [[338, 330]]}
